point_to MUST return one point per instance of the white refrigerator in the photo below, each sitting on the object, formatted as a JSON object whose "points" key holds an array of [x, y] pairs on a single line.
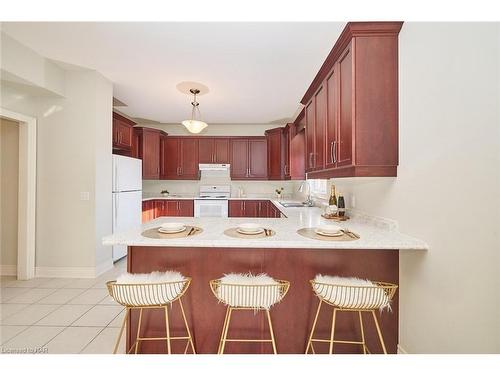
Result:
{"points": [[127, 198]]}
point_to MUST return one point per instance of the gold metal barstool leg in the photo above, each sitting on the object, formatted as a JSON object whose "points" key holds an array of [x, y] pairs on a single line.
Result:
{"points": [[137, 341], [190, 340], [167, 329], [362, 332], [225, 331], [309, 343], [379, 332], [271, 330], [332, 334], [121, 331]]}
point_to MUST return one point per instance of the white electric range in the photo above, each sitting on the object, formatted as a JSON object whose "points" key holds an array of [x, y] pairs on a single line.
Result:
{"points": [[213, 201]]}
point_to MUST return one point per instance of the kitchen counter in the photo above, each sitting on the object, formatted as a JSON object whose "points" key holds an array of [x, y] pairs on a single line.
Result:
{"points": [[375, 233], [287, 256]]}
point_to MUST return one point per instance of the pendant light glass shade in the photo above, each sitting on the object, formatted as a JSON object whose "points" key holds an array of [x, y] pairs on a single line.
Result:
{"points": [[195, 126]]}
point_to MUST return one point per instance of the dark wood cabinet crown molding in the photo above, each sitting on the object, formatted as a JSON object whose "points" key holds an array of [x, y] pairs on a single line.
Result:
{"points": [[352, 29]]}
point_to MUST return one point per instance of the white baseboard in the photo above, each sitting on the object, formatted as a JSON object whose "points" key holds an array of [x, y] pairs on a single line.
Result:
{"points": [[8, 270], [401, 350], [74, 272], [103, 267]]}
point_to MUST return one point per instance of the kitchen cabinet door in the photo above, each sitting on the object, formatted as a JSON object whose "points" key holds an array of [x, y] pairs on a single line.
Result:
{"points": [[150, 154], [147, 211], [206, 150], [251, 208], [286, 145], [171, 207], [257, 159], [185, 208], [171, 158], [163, 159], [263, 209], [235, 208], [310, 119], [344, 137], [122, 132], [239, 158], [275, 158], [331, 120], [319, 129], [221, 151], [188, 167]]}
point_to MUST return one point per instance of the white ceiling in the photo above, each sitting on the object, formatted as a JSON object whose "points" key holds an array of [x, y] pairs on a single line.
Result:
{"points": [[256, 72]]}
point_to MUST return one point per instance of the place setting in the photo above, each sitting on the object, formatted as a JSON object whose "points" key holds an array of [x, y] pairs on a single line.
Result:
{"points": [[249, 230], [172, 230], [329, 232]]}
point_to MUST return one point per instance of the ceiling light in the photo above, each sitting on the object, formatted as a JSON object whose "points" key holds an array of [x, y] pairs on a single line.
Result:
{"points": [[195, 125]]}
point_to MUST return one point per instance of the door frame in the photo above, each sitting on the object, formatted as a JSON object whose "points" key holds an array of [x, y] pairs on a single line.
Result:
{"points": [[26, 217]]}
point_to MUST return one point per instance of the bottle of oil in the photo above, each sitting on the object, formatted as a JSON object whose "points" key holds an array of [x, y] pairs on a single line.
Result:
{"points": [[333, 199]]}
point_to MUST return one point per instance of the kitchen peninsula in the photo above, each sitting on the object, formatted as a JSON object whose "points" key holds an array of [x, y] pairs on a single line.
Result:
{"points": [[286, 255]]}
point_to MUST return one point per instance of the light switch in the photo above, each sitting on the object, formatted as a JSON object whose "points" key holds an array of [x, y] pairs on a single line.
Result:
{"points": [[84, 196]]}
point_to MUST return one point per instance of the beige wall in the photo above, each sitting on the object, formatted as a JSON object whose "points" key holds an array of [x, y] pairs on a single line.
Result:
{"points": [[73, 156], [9, 175], [216, 129], [447, 191]]}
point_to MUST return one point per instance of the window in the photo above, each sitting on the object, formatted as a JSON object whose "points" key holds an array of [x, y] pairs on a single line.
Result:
{"points": [[318, 188]]}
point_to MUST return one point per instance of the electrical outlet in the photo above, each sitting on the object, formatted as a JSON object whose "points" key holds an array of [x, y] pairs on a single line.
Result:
{"points": [[84, 196]]}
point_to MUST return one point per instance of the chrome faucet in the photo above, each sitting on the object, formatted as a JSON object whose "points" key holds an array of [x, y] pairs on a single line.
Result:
{"points": [[306, 189]]}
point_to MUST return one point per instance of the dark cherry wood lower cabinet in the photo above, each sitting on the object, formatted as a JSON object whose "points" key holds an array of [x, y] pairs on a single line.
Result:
{"points": [[252, 208], [166, 207], [292, 318]]}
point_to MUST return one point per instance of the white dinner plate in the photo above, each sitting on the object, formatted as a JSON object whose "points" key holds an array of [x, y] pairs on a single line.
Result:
{"points": [[328, 234], [257, 231], [171, 231]]}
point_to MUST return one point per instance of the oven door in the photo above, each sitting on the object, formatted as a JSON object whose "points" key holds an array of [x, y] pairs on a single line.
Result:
{"points": [[210, 207]]}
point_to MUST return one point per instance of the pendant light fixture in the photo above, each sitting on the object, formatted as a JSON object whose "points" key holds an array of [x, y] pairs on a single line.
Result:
{"points": [[195, 125]]}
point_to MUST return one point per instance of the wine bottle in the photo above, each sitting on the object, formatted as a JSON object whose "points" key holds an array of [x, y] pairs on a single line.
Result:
{"points": [[341, 205], [333, 199]]}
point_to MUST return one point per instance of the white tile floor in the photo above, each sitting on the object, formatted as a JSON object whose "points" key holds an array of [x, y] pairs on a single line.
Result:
{"points": [[60, 315]]}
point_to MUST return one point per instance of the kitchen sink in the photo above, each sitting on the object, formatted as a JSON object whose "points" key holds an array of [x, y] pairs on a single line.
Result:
{"points": [[294, 204]]}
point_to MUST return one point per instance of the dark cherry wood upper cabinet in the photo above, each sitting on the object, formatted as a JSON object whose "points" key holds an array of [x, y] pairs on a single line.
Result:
{"points": [[149, 152], [358, 88], [297, 156], [310, 125], [277, 162], [257, 158], [239, 158], [287, 135], [221, 151], [122, 132], [171, 158], [188, 167], [206, 147], [213, 150]]}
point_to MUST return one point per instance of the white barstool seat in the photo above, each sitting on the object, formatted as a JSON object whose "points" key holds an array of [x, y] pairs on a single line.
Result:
{"points": [[353, 295], [151, 290], [248, 292]]}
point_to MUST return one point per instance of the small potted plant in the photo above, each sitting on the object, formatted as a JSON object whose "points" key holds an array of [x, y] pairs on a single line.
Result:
{"points": [[165, 193], [279, 192]]}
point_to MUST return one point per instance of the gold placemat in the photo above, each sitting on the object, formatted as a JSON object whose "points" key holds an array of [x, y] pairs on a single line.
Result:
{"points": [[232, 232], [153, 233], [310, 233]]}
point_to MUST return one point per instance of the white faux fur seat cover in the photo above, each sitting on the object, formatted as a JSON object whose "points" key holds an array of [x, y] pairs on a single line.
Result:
{"points": [[247, 290], [147, 289], [351, 292]]}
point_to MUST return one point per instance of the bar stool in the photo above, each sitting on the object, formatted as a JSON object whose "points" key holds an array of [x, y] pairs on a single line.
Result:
{"points": [[157, 290], [352, 295], [248, 292]]}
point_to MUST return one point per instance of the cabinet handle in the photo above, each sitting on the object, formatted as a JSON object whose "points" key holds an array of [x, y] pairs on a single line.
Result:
{"points": [[334, 151]]}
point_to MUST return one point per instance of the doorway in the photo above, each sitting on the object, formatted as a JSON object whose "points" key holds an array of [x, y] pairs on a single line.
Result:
{"points": [[18, 197]]}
